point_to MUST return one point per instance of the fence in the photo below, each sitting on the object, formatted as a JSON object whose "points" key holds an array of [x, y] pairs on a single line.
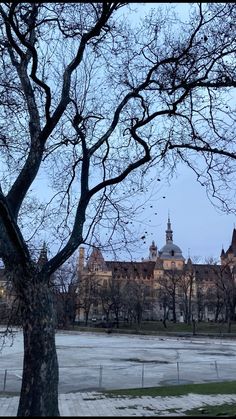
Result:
{"points": [[121, 376]]}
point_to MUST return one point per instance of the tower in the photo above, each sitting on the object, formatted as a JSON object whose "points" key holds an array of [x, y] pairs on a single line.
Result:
{"points": [[96, 260], [229, 257], [80, 265], [170, 254], [169, 232], [153, 251]]}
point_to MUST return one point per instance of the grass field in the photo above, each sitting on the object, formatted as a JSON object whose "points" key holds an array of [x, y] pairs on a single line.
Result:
{"points": [[157, 327], [227, 387], [180, 390], [228, 410]]}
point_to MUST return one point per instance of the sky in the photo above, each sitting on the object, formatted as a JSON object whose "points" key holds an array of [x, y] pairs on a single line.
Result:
{"points": [[199, 228]]}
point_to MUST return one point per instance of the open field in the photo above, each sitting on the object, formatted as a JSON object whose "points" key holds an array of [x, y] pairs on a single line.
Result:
{"points": [[143, 369], [98, 361]]}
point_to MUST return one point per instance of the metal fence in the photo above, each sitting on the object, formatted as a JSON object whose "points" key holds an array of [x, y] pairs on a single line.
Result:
{"points": [[121, 376]]}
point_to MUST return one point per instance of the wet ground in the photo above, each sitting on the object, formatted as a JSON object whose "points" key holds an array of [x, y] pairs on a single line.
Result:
{"points": [[93, 361]]}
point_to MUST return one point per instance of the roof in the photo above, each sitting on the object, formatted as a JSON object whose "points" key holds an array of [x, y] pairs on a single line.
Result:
{"points": [[96, 258], [171, 251], [159, 264], [232, 247], [131, 269], [204, 272]]}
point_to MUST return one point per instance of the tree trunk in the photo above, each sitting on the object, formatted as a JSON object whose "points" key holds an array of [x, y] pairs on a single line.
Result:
{"points": [[39, 390], [174, 311], [164, 323]]}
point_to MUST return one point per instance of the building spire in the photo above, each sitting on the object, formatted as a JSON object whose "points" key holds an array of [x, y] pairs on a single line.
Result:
{"points": [[169, 232], [233, 242], [153, 251]]}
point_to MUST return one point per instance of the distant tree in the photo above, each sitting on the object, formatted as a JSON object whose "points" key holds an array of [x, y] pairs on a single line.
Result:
{"points": [[115, 287], [185, 287], [170, 283], [64, 291], [92, 104], [164, 298], [225, 290], [212, 297], [129, 312], [200, 303], [105, 300], [136, 297]]}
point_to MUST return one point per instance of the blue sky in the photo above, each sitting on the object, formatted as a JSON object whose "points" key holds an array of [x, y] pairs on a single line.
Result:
{"points": [[199, 228]]}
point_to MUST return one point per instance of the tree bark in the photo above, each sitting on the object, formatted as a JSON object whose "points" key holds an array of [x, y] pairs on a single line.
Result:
{"points": [[39, 391]]}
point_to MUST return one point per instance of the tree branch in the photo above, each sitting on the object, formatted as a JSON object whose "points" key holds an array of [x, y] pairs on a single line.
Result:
{"points": [[206, 148]]}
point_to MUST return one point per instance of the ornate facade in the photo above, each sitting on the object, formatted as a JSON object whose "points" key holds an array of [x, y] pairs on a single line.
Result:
{"points": [[163, 286], [172, 288]]}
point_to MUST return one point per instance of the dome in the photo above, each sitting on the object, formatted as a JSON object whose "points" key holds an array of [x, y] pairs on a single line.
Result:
{"points": [[171, 251]]}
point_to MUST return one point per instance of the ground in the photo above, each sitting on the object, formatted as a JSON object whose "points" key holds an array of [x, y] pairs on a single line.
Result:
{"points": [[96, 361]]}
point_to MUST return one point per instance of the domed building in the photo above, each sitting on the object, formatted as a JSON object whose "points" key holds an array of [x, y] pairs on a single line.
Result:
{"points": [[168, 262], [170, 253], [164, 284]]}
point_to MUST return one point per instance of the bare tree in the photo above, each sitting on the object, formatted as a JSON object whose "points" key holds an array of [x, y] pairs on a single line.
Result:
{"points": [[163, 296], [64, 285], [170, 283], [91, 105], [185, 286], [136, 299], [129, 312], [225, 290], [106, 301], [115, 287], [212, 296]]}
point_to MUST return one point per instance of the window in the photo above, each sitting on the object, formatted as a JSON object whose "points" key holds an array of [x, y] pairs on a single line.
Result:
{"points": [[172, 253]]}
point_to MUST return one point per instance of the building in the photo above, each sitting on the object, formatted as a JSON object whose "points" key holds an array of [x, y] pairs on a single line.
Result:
{"points": [[163, 286], [9, 308]]}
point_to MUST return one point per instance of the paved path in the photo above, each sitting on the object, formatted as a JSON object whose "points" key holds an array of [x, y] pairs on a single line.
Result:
{"points": [[98, 404]]}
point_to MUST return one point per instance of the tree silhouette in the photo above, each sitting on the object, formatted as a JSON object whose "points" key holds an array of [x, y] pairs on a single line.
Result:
{"points": [[92, 105]]}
